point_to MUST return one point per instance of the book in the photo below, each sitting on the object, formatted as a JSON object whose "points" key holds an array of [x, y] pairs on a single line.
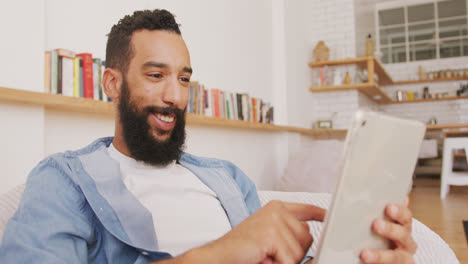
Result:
{"points": [[96, 78], [88, 83], [245, 107], [234, 106], [76, 77], [59, 75], [104, 95], [67, 70], [53, 72], [215, 93], [81, 93], [47, 69], [222, 112], [254, 109], [240, 114]]}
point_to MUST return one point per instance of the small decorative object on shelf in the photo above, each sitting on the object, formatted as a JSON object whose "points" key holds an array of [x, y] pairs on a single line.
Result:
{"points": [[422, 73], [324, 124], [321, 52], [426, 94], [347, 79]]}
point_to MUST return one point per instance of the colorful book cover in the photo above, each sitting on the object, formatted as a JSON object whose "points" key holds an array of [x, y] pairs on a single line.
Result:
{"points": [[226, 99], [222, 112], [254, 109], [88, 83]]}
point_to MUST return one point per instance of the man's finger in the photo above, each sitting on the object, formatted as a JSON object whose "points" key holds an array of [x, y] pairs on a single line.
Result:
{"points": [[306, 212], [395, 233], [372, 256], [399, 214]]}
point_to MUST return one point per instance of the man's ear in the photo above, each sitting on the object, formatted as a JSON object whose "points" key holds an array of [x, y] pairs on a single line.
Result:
{"points": [[112, 82]]}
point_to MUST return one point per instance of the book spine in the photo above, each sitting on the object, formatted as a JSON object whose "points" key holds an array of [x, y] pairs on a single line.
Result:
{"points": [[54, 72], [76, 77], [47, 69], [81, 78], [102, 69], [67, 76], [96, 63], [88, 82], [209, 109], [59, 75], [234, 106], [226, 99], [240, 115], [216, 102]]}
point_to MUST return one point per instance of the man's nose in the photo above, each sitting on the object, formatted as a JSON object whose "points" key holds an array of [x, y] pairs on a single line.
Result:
{"points": [[173, 93]]}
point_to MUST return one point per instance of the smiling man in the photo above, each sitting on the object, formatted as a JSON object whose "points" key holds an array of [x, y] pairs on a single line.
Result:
{"points": [[138, 198]]}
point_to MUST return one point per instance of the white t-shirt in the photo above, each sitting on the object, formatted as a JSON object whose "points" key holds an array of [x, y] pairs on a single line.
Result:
{"points": [[186, 213]]}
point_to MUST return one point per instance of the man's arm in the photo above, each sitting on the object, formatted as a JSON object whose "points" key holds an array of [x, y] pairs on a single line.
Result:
{"points": [[50, 226], [277, 233]]}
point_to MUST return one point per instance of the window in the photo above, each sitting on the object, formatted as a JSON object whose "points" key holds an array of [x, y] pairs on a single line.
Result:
{"points": [[425, 31]]}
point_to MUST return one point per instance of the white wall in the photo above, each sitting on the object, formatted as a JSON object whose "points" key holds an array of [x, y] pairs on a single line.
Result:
{"points": [[231, 49], [308, 22]]}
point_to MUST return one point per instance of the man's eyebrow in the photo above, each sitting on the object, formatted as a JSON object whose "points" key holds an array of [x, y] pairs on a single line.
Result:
{"points": [[149, 64], [187, 69]]}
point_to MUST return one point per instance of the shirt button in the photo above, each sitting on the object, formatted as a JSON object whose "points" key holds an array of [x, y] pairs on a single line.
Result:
{"points": [[145, 253]]}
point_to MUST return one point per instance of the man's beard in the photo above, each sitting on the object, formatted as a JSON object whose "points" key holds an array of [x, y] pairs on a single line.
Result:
{"points": [[143, 146]]}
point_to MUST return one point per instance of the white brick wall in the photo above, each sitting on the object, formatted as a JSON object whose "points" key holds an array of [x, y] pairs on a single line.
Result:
{"points": [[308, 22], [443, 111]]}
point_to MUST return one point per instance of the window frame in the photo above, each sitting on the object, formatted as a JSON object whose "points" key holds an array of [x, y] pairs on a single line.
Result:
{"points": [[407, 43]]}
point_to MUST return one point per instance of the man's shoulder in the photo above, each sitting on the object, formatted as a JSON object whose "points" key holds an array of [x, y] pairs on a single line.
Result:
{"points": [[64, 163], [206, 162]]}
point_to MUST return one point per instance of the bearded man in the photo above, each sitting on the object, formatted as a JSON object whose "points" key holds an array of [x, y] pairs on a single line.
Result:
{"points": [[138, 198]]}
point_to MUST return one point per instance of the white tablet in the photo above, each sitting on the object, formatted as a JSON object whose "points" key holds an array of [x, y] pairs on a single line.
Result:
{"points": [[376, 167]]}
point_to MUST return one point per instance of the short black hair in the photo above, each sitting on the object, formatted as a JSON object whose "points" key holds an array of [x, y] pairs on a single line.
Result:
{"points": [[119, 51]]}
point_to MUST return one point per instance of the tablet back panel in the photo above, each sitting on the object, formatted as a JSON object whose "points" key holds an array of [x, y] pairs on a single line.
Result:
{"points": [[377, 164]]}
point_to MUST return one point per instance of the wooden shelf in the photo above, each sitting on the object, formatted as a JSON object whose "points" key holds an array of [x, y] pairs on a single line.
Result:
{"points": [[432, 100], [363, 63], [431, 80], [447, 126], [84, 105], [372, 91]]}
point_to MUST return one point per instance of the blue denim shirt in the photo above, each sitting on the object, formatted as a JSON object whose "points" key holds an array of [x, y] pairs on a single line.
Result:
{"points": [[76, 209]]}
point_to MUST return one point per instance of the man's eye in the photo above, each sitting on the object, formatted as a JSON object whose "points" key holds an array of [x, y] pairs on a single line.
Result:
{"points": [[155, 75], [185, 79]]}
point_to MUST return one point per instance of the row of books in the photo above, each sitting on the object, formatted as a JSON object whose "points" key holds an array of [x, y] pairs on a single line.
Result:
{"points": [[72, 74], [224, 104]]}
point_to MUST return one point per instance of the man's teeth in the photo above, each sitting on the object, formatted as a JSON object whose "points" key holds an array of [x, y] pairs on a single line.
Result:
{"points": [[164, 118]]}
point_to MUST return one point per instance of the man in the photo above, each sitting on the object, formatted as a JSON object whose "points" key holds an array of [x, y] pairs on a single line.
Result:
{"points": [[137, 197]]}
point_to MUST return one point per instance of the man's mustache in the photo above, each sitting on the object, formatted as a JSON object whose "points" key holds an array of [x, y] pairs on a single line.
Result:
{"points": [[164, 110]]}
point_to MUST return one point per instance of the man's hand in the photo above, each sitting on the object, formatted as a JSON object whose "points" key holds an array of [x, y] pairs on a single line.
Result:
{"points": [[277, 233], [399, 232]]}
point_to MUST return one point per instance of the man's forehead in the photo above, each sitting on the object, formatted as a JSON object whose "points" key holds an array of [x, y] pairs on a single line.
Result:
{"points": [[160, 45]]}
